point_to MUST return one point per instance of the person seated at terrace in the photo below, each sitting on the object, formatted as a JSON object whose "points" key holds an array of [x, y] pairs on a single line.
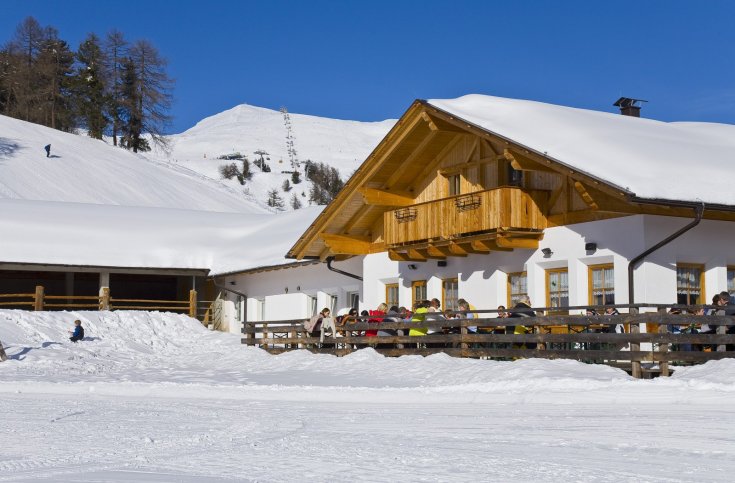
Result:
{"points": [[522, 309], [376, 317], [349, 318], [464, 308], [419, 315], [435, 305]]}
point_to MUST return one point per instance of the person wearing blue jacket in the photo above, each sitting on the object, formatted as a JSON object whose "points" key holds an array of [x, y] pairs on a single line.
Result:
{"points": [[78, 333]]}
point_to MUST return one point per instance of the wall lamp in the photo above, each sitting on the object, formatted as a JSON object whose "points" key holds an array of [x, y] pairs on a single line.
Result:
{"points": [[590, 247], [412, 266], [547, 252]]}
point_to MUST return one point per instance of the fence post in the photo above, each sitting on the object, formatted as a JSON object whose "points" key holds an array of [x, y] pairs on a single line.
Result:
{"points": [[721, 330], [193, 304], [635, 366], [38, 298], [265, 335], [3, 356], [663, 347], [105, 298]]}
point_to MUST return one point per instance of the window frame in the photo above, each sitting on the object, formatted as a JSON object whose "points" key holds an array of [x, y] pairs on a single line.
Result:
{"points": [[445, 281], [590, 288], [510, 294], [700, 267], [414, 284], [389, 286], [728, 269], [548, 290]]}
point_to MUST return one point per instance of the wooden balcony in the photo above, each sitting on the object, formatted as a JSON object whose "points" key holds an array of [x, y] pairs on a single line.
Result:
{"points": [[467, 215]]}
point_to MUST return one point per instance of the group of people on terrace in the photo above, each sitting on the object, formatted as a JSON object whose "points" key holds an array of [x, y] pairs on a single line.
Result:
{"points": [[430, 310]]}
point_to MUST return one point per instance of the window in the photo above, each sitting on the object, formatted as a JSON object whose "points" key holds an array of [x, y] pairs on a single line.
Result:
{"points": [[311, 305], [557, 290], [455, 183], [259, 309], [353, 300], [515, 177], [418, 291], [332, 303], [239, 308], [516, 287], [450, 291], [689, 284], [731, 281], [602, 285], [391, 294]]}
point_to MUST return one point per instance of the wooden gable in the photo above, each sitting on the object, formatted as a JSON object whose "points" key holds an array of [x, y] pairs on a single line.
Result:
{"points": [[438, 186]]}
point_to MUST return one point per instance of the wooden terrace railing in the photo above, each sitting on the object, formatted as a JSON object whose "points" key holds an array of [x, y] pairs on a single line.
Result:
{"points": [[39, 300], [580, 337], [467, 213]]}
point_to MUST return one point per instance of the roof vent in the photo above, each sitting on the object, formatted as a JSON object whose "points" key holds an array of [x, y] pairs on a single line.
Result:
{"points": [[629, 107]]}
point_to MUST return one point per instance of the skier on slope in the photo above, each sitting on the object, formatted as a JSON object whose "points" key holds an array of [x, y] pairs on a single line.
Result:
{"points": [[48, 150]]}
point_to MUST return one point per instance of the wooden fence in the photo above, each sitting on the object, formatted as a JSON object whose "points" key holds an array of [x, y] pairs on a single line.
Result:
{"points": [[667, 338], [39, 300]]}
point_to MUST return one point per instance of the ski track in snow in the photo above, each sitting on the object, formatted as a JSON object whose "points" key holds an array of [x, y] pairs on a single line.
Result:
{"points": [[156, 397]]}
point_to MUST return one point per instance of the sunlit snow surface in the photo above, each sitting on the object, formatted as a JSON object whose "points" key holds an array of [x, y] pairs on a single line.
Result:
{"points": [[156, 397]]}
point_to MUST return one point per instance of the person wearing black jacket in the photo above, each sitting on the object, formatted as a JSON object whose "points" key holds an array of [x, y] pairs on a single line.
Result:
{"points": [[521, 310]]}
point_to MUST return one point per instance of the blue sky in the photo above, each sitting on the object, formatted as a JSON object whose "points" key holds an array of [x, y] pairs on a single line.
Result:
{"points": [[369, 60]]}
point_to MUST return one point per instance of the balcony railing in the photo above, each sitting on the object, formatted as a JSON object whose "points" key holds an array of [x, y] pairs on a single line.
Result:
{"points": [[466, 214]]}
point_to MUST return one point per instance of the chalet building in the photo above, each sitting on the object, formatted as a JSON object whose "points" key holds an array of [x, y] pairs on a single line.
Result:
{"points": [[488, 199]]}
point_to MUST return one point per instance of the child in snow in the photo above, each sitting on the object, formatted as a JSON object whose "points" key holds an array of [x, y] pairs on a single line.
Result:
{"points": [[78, 333]]}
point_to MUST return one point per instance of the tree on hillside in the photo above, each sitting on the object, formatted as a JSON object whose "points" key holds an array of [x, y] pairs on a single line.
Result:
{"points": [[295, 202], [20, 75], [326, 182], [146, 93], [55, 74], [286, 186], [296, 177], [89, 87], [275, 200], [115, 53]]}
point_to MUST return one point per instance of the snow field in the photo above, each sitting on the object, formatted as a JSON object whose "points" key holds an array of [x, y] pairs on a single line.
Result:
{"points": [[157, 397]]}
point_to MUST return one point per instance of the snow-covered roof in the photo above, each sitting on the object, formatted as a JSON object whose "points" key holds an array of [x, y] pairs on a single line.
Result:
{"points": [[43, 232], [685, 161]]}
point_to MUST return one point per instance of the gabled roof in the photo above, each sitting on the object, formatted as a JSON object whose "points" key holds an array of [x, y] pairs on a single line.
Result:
{"points": [[630, 158], [682, 161]]}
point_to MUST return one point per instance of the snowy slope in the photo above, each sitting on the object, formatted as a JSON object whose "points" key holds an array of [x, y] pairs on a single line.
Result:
{"points": [[341, 144], [85, 170], [653, 159], [156, 397]]}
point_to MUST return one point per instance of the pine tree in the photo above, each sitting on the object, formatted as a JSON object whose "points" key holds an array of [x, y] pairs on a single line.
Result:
{"points": [[89, 87], [246, 173], [286, 186], [21, 73], [296, 177], [115, 53], [55, 74], [275, 200], [295, 202], [146, 96]]}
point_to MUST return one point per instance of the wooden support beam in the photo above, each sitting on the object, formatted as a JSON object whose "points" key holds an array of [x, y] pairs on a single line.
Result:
{"points": [[490, 146], [430, 252], [512, 242], [429, 121], [397, 256], [521, 162], [555, 195], [351, 245], [415, 254], [445, 251], [585, 195], [408, 163], [581, 216], [489, 246], [431, 165], [376, 197]]}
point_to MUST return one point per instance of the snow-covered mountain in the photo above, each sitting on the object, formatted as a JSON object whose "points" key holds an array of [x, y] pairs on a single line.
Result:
{"points": [[246, 129]]}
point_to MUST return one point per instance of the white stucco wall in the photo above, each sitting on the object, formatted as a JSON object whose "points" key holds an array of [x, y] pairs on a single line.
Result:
{"points": [[483, 278], [286, 293]]}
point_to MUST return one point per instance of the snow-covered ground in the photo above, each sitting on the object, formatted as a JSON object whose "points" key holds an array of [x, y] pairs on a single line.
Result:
{"points": [[156, 397]]}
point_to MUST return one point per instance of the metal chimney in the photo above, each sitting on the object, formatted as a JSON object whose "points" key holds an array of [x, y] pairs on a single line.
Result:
{"points": [[629, 107]]}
